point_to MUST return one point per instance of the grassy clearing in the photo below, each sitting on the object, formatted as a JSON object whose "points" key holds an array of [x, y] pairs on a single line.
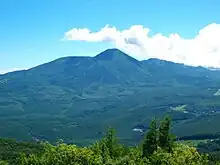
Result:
{"points": [[217, 93], [180, 108]]}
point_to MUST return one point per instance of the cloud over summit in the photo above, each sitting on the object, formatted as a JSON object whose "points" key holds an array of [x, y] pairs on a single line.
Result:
{"points": [[203, 49]]}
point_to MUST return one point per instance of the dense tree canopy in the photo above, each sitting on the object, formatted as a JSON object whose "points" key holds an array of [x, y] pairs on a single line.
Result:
{"points": [[158, 147]]}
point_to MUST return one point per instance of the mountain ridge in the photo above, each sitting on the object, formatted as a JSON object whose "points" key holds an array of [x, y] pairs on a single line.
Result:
{"points": [[112, 52], [87, 94]]}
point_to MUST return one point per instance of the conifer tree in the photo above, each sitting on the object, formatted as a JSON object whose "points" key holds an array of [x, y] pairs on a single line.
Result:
{"points": [[111, 141], [165, 139], [150, 142]]}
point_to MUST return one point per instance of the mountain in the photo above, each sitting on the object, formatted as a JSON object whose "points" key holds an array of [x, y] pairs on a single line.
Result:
{"points": [[213, 68], [77, 98]]}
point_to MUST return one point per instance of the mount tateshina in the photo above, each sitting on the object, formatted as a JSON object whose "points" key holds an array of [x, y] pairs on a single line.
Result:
{"points": [[77, 98]]}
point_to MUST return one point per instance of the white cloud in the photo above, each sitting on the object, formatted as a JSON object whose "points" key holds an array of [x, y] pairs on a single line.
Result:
{"points": [[203, 49], [7, 70]]}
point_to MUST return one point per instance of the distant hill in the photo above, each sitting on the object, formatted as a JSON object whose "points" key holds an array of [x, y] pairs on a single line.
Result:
{"points": [[77, 98]]}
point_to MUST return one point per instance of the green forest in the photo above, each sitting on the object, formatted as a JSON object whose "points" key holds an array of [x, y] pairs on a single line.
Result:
{"points": [[159, 146], [56, 100]]}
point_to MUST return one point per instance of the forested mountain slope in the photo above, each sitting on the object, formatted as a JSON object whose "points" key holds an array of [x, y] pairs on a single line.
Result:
{"points": [[69, 95]]}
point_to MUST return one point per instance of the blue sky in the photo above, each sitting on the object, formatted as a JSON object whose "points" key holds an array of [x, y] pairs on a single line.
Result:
{"points": [[31, 30]]}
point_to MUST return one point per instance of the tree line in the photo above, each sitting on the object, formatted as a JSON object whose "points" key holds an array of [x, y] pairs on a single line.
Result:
{"points": [[158, 147]]}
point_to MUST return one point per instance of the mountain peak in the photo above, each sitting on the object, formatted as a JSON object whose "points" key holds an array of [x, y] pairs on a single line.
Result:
{"points": [[115, 54], [109, 54]]}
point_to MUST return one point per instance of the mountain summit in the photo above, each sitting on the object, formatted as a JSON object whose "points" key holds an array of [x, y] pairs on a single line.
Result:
{"points": [[115, 54], [109, 54]]}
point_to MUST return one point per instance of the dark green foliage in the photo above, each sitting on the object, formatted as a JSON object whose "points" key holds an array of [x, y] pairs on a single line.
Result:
{"points": [[10, 149], [166, 139], [158, 137], [212, 147], [150, 142], [110, 141], [109, 152]]}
